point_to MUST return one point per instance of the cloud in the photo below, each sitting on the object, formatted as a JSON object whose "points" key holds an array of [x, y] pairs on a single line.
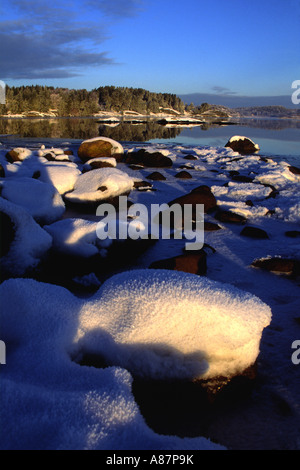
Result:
{"points": [[223, 90], [118, 8], [51, 40]]}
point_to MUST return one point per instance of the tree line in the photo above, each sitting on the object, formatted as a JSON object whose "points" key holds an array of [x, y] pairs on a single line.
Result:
{"points": [[66, 102]]}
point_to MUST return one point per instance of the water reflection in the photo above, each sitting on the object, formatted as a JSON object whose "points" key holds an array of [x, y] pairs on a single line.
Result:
{"points": [[274, 136], [85, 128]]}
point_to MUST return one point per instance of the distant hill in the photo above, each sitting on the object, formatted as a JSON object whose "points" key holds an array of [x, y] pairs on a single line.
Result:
{"points": [[236, 101], [269, 111]]}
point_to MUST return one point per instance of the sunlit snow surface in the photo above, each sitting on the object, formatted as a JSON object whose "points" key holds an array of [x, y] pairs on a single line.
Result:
{"points": [[146, 323]]}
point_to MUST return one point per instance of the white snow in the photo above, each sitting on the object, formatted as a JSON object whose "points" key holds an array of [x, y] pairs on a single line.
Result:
{"points": [[63, 175], [76, 237], [40, 199], [148, 323], [50, 402], [162, 324], [30, 243], [87, 186]]}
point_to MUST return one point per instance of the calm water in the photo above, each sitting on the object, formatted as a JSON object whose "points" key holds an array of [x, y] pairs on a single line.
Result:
{"points": [[276, 138]]}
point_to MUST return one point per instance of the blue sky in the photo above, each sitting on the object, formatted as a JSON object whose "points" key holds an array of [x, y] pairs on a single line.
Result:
{"points": [[220, 47]]}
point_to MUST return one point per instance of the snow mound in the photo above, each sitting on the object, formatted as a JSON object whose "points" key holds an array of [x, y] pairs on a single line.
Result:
{"points": [[63, 175], [77, 237], [30, 242], [163, 324], [100, 184], [40, 199], [49, 402]]}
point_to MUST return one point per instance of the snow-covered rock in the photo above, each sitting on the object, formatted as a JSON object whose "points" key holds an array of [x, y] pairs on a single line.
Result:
{"points": [[99, 147], [100, 185], [30, 242], [76, 237], [50, 402], [40, 199], [163, 324], [243, 145]]}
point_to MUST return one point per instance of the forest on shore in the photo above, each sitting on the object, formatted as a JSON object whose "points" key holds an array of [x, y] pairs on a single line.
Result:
{"points": [[70, 102]]}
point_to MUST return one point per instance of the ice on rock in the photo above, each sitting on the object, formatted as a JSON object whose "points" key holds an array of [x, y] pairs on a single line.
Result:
{"points": [[164, 324], [100, 184]]}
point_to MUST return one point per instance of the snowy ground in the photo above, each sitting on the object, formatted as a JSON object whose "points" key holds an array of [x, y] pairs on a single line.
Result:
{"points": [[48, 400]]}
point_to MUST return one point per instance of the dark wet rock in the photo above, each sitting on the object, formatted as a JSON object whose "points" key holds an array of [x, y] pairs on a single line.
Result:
{"points": [[278, 265], [293, 233], [249, 203], [243, 145], [295, 170], [2, 172], [254, 232], [200, 195], [183, 175], [7, 233], [36, 175], [194, 263], [231, 217], [242, 178], [136, 167], [142, 185], [192, 408], [147, 159], [94, 165], [211, 227], [156, 176], [190, 157]]}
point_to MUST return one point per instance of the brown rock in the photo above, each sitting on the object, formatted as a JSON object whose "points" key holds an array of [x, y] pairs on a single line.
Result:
{"points": [[183, 175], [199, 195], [231, 217], [244, 146], [254, 232], [295, 170], [211, 227], [278, 265], [190, 157], [147, 159], [194, 263], [156, 176], [90, 149]]}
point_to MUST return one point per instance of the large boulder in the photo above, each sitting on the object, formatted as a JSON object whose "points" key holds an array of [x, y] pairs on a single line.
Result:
{"points": [[100, 147], [242, 145]]}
